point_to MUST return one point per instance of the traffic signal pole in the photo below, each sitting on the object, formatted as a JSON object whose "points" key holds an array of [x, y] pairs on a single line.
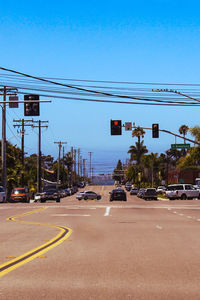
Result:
{"points": [[172, 133]]}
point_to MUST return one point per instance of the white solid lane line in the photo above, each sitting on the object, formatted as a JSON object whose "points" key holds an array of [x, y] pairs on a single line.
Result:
{"points": [[107, 211]]}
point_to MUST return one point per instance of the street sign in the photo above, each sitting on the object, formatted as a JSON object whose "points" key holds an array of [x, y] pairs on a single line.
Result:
{"points": [[128, 126], [180, 146], [13, 104]]}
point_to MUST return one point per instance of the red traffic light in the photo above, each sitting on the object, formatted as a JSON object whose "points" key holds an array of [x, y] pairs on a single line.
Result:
{"points": [[116, 127]]}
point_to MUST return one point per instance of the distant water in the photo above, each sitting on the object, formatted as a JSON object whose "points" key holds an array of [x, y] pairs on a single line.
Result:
{"points": [[103, 181]]}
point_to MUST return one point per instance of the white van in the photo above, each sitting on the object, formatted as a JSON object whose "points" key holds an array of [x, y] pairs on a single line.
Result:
{"points": [[182, 191]]}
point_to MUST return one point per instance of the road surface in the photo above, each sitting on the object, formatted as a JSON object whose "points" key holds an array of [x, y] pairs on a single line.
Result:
{"points": [[100, 250]]}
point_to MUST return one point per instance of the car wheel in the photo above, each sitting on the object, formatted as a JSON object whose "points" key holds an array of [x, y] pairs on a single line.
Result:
{"points": [[98, 198], [183, 197], [42, 200], [85, 198], [58, 200]]}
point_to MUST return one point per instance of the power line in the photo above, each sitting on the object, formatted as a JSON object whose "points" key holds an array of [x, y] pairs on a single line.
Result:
{"points": [[79, 88]]}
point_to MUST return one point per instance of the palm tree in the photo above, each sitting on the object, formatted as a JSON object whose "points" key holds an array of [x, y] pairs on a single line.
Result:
{"points": [[138, 132], [137, 151], [183, 130]]}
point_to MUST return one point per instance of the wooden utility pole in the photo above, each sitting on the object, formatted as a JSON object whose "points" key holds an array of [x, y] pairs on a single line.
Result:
{"points": [[39, 167], [22, 123], [59, 152]]}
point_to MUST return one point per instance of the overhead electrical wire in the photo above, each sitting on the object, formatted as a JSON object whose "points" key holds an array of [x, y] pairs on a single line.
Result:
{"points": [[88, 92], [106, 81]]}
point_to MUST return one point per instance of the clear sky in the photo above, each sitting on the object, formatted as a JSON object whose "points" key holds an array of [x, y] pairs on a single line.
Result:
{"points": [[137, 41]]}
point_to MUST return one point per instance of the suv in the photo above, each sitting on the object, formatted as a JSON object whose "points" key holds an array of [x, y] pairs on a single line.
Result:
{"points": [[20, 194], [149, 194], [118, 194], [181, 191]]}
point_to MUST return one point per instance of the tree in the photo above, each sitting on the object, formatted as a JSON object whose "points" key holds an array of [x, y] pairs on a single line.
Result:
{"points": [[183, 130], [137, 152], [118, 172], [138, 132], [195, 131]]}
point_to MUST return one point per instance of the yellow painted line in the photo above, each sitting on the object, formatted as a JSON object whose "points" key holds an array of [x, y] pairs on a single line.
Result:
{"points": [[102, 189], [64, 233]]}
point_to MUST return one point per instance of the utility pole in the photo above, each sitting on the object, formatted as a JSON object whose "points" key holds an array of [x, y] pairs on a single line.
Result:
{"points": [[71, 167], [90, 153], [63, 165], [59, 151], [78, 162], [4, 91], [84, 174], [39, 168], [74, 165], [22, 124]]}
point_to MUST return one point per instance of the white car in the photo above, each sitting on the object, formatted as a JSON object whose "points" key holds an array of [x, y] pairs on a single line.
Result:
{"points": [[2, 194], [181, 191], [161, 189], [88, 195]]}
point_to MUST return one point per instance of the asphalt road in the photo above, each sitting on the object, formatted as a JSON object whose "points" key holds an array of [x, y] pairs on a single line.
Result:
{"points": [[100, 250]]}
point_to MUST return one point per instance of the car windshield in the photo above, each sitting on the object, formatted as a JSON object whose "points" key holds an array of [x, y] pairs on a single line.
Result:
{"points": [[18, 191]]}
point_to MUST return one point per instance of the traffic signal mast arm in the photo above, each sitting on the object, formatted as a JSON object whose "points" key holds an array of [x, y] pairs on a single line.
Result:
{"points": [[172, 133]]}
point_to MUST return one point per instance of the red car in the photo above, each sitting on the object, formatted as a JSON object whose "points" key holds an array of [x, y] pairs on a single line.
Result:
{"points": [[20, 195]]}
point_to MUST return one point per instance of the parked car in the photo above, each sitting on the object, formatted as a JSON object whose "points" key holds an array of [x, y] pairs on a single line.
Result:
{"points": [[161, 189], [37, 197], [140, 192], [81, 184], [128, 186], [62, 193], [68, 192], [182, 191], [2, 194], [118, 194], [88, 195], [50, 194], [134, 191], [20, 194], [149, 194]]}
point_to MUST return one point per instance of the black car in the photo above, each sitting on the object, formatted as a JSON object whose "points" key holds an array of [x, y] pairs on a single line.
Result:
{"points": [[118, 194], [128, 186], [150, 194], [50, 194]]}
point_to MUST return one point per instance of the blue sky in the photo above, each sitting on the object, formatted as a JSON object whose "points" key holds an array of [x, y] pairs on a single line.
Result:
{"points": [[138, 41]]}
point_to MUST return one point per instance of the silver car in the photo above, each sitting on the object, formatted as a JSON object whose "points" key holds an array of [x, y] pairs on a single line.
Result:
{"points": [[88, 195]]}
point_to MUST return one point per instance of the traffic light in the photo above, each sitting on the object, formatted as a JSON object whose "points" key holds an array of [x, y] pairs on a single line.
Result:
{"points": [[155, 130], [116, 127], [32, 108]]}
